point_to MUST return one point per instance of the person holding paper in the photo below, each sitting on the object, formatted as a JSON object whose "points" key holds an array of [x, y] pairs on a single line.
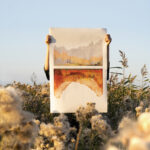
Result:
{"points": [[46, 66], [48, 41]]}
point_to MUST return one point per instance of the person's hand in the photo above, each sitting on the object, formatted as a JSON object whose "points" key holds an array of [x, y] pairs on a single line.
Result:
{"points": [[48, 39], [108, 39]]}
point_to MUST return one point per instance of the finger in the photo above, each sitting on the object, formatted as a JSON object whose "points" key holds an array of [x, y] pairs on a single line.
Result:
{"points": [[48, 39], [108, 37]]}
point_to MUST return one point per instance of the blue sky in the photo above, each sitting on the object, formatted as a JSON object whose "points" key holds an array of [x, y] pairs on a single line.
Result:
{"points": [[25, 23]]}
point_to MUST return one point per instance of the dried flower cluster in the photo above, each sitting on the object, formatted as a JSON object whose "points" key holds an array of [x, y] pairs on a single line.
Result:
{"points": [[101, 126], [84, 114], [57, 136], [17, 129], [143, 107], [133, 135]]}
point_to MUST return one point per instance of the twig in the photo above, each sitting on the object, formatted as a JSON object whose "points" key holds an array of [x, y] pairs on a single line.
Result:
{"points": [[78, 137]]}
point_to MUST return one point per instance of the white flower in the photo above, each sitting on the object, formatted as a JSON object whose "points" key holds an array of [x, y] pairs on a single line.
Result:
{"points": [[144, 122]]}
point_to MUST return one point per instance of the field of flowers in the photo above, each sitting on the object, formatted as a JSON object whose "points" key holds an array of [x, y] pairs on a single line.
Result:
{"points": [[26, 124]]}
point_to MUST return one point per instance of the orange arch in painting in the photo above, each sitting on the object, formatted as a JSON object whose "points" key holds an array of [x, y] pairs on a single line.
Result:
{"points": [[93, 78]]}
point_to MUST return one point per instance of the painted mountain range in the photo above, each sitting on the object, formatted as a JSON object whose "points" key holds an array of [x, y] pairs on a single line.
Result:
{"points": [[90, 55]]}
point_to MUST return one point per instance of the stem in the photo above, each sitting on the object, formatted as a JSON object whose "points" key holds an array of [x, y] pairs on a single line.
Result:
{"points": [[123, 80], [142, 82], [123, 73], [78, 137]]}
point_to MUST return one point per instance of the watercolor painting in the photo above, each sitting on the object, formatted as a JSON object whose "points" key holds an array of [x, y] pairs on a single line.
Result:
{"points": [[78, 69], [78, 47], [90, 55], [92, 78]]}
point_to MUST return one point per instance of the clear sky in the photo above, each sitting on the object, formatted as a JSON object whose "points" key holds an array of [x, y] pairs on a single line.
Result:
{"points": [[25, 23]]}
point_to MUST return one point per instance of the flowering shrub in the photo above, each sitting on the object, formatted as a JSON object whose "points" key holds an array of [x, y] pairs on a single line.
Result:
{"points": [[133, 135], [17, 128], [26, 122], [36, 100]]}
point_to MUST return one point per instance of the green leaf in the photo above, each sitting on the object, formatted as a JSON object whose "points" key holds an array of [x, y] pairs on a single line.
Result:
{"points": [[146, 80], [116, 73], [145, 88], [115, 67], [126, 82]]}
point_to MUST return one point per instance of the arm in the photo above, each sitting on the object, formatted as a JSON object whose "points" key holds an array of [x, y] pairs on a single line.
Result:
{"points": [[108, 41], [46, 66]]}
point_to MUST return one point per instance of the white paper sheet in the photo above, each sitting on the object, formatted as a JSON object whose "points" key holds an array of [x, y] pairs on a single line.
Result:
{"points": [[78, 69]]}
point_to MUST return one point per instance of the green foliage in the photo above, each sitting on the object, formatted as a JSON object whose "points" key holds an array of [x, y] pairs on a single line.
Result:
{"points": [[36, 100], [123, 95]]}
